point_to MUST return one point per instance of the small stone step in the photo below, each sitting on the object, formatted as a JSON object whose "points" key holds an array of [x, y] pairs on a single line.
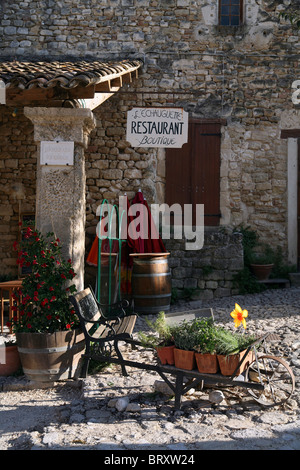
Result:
{"points": [[295, 279], [283, 282]]}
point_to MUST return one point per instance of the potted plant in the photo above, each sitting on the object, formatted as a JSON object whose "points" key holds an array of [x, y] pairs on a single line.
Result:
{"points": [[162, 341], [205, 346], [184, 340], [9, 358], [261, 264], [49, 340], [231, 347]]}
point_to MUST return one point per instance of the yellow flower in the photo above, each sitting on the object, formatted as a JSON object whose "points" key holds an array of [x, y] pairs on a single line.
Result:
{"points": [[239, 316]]}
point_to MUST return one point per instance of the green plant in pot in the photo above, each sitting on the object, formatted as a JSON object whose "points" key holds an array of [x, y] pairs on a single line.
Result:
{"points": [[205, 346], [248, 279], [47, 330], [185, 339], [261, 264], [162, 341], [231, 347]]}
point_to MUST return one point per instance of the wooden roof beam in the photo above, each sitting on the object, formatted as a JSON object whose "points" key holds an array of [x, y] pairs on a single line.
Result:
{"points": [[17, 96], [109, 86], [113, 84]]}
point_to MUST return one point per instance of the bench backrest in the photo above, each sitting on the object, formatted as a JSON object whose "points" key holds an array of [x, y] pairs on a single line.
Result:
{"points": [[95, 324], [85, 305], [89, 314]]}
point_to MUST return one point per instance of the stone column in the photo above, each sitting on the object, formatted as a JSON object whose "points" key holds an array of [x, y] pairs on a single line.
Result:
{"points": [[60, 193]]}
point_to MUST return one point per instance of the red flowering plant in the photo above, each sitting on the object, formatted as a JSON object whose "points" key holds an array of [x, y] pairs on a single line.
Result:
{"points": [[43, 304]]}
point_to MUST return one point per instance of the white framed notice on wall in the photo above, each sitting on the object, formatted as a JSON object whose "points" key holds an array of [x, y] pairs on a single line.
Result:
{"points": [[2, 92], [57, 153]]}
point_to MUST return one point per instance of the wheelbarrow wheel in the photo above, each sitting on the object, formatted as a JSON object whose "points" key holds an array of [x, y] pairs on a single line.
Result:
{"points": [[275, 375]]}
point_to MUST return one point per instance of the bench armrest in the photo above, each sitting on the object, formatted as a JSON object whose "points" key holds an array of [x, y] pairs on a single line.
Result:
{"points": [[117, 306]]}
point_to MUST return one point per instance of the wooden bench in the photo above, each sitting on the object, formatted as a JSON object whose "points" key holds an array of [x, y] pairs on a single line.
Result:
{"points": [[102, 331]]}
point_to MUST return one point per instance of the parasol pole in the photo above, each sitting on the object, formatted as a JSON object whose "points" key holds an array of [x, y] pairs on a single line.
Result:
{"points": [[120, 248]]}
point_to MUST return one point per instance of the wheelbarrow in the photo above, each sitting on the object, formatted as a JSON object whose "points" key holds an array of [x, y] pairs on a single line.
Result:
{"points": [[267, 378]]}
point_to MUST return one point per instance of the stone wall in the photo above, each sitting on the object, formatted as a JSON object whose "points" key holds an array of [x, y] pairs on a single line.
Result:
{"points": [[95, 28], [242, 75], [207, 273], [18, 181], [254, 180]]}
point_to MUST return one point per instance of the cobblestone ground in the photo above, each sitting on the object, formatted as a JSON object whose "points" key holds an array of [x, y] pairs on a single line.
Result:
{"points": [[110, 412]]}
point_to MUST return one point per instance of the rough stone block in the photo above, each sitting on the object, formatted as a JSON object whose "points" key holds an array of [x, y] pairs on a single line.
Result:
{"points": [[112, 174], [190, 283], [101, 164], [133, 174]]}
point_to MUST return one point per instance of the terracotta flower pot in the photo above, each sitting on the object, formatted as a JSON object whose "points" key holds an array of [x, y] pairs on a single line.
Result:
{"points": [[228, 364], [207, 363], [12, 361], [184, 359], [261, 271], [166, 354]]}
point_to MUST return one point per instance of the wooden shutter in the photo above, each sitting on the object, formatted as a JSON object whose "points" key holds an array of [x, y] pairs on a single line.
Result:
{"points": [[193, 172], [178, 175]]}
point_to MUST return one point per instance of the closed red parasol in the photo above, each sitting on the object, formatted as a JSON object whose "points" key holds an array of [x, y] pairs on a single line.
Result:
{"points": [[149, 240], [92, 258], [137, 224]]}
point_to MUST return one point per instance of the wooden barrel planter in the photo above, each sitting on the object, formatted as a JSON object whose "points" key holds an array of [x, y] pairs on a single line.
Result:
{"points": [[151, 283], [49, 357]]}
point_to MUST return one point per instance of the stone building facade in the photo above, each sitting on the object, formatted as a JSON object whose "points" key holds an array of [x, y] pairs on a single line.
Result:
{"points": [[239, 76]]}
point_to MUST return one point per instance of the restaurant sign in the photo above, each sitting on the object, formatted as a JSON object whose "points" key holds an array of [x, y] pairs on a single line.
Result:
{"points": [[157, 127]]}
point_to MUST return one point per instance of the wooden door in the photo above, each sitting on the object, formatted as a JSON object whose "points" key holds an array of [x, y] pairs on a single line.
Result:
{"points": [[193, 172]]}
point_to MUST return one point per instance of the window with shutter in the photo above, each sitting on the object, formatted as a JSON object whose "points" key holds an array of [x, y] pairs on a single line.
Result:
{"points": [[193, 171], [230, 12]]}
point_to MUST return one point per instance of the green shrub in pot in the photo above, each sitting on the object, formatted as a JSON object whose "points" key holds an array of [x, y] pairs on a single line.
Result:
{"points": [[184, 335], [204, 335], [162, 333], [184, 340], [161, 339], [49, 339], [205, 346]]}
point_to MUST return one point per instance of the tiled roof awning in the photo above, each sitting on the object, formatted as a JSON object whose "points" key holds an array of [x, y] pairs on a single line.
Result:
{"points": [[29, 83]]}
